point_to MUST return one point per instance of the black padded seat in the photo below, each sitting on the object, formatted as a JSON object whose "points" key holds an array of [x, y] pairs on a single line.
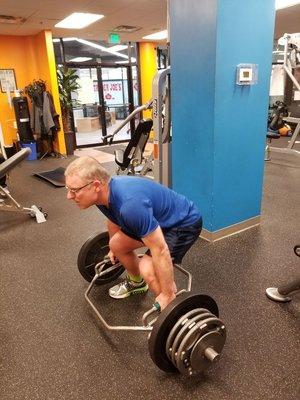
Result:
{"points": [[14, 160], [137, 142]]}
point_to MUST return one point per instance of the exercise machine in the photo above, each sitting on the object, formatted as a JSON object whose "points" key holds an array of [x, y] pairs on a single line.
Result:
{"points": [[282, 293], [275, 122], [289, 150], [131, 160], [162, 149], [291, 55], [291, 61], [186, 337], [8, 203]]}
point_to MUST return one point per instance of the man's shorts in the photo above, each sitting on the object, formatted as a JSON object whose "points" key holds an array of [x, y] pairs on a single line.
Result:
{"points": [[179, 240]]}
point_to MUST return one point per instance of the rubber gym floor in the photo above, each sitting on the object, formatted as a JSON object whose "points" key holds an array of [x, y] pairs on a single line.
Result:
{"points": [[53, 347]]}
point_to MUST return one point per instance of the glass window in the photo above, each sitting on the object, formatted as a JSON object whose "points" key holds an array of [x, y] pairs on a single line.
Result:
{"points": [[92, 118], [135, 86], [91, 52], [57, 51], [115, 91]]}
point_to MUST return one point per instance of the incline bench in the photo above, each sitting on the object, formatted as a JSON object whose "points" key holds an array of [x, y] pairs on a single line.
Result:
{"points": [[5, 168]]}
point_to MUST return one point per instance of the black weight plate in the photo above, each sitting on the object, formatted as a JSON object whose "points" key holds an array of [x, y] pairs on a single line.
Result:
{"points": [[182, 304], [91, 253]]}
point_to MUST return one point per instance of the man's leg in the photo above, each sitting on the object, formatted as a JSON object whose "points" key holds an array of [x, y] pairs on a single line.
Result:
{"points": [[123, 246]]}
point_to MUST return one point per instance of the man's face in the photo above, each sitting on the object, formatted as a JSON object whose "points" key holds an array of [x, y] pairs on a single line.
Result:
{"points": [[82, 192]]}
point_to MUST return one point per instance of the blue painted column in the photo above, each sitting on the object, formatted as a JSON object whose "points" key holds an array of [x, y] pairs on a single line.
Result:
{"points": [[219, 128]]}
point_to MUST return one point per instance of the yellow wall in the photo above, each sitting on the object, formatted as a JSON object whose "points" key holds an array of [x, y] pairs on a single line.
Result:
{"points": [[148, 68], [32, 57]]}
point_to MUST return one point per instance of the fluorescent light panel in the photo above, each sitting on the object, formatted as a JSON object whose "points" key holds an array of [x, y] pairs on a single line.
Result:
{"points": [[111, 50], [118, 47], [157, 36], [78, 20], [98, 46], [80, 59], [68, 39], [279, 4]]}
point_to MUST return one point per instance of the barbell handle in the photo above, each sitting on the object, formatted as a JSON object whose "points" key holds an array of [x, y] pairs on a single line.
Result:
{"points": [[155, 308]]}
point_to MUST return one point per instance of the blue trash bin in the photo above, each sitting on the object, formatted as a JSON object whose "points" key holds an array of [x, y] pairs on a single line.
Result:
{"points": [[32, 145]]}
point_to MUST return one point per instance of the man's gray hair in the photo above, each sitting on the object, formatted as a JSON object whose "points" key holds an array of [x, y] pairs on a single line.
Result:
{"points": [[87, 169]]}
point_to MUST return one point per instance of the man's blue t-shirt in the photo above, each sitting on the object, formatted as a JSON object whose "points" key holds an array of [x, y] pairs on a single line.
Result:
{"points": [[139, 205]]}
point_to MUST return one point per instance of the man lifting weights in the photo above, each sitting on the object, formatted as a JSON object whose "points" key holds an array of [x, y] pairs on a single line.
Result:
{"points": [[140, 213]]}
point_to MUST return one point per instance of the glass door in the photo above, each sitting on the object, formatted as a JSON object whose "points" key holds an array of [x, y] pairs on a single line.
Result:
{"points": [[117, 104], [106, 97], [87, 113], [108, 79]]}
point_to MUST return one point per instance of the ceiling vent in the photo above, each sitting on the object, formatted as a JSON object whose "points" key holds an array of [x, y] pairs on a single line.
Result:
{"points": [[9, 19], [126, 29]]}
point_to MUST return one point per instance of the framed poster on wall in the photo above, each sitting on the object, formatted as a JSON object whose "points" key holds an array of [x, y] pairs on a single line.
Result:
{"points": [[7, 80]]}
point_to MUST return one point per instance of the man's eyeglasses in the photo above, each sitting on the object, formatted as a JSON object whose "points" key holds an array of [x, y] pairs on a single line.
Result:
{"points": [[76, 190]]}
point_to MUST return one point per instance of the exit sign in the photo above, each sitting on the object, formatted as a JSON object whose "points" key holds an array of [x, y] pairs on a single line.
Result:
{"points": [[114, 38]]}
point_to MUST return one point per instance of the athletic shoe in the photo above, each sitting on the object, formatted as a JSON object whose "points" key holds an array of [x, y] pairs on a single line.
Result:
{"points": [[127, 288]]}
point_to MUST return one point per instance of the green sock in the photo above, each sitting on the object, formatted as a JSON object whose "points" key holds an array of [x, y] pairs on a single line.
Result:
{"points": [[135, 278]]}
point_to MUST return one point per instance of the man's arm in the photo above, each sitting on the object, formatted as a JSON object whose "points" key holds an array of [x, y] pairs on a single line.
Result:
{"points": [[162, 264]]}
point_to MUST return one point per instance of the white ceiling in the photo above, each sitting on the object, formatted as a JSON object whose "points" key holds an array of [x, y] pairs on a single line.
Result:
{"points": [[149, 15]]}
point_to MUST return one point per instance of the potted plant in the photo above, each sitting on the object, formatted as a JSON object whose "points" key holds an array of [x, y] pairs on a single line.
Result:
{"points": [[67, 83]]}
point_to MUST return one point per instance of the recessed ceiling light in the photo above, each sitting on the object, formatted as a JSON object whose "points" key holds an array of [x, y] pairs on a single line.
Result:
{"points": [[80, 59], [78, 20], [279, 4], [157, 36]]}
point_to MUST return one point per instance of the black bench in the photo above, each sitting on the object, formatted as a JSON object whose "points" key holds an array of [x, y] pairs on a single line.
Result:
{"points": [[132, 156]]}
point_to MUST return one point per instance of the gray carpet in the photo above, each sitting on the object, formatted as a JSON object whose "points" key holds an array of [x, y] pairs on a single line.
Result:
{"points": [[53, 347]]}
